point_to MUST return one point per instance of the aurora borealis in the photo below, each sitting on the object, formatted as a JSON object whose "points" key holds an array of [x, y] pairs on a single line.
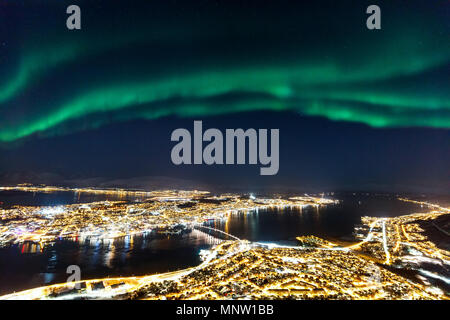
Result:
{"points": [[222, 60], [312, 62]]}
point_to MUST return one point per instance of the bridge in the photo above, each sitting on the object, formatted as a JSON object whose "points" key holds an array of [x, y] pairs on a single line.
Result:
{"points": [[199, 226]]}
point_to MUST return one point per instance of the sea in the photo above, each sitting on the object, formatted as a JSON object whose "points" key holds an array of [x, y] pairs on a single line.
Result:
{"points": [[26, 266]]}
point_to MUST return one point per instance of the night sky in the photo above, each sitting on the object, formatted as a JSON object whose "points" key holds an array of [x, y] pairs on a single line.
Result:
{"points": [[357, 109]]}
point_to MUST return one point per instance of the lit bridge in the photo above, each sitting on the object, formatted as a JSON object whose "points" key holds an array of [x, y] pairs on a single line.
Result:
{"points": [[200, 227]]}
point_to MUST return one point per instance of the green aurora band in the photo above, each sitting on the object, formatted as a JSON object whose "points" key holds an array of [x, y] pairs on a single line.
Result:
{"points": [[389, 87]]}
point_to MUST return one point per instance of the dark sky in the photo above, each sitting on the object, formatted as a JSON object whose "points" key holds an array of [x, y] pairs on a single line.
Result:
{"points": [[357, 109]]}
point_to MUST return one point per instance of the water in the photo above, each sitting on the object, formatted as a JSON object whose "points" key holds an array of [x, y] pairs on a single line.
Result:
{"points": [[27, 266], [9, 198]]}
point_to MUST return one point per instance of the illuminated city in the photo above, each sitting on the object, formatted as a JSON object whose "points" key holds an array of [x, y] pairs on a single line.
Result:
{"points": [[225, 158], [161, 210], [376, 267]]}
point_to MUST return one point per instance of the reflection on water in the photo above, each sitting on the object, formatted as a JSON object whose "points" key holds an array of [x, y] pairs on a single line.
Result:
{"points": [[333, 221], [31, 265], [58, 198]]}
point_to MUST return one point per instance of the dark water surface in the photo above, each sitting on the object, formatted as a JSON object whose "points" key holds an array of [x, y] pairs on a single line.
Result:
{"points": [[56, 198], [27, 266]]}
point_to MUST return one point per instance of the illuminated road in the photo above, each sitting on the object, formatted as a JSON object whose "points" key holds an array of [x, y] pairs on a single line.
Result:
{"points": [[366, 239], [386, 251]]}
